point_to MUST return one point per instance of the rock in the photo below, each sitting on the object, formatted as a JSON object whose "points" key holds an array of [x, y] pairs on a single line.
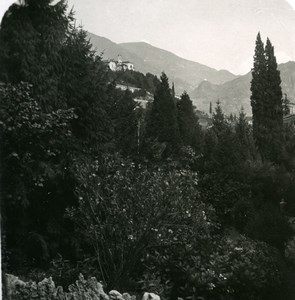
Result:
{"points": [[113, 294], [11, 284], [97, 287], [127, 296], [150, 296]]}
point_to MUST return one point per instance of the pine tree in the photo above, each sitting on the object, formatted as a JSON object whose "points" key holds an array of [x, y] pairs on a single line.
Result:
{"points": [[220, 138], [83, 86], [40, 44], [31, 36], [244, 136], [266, 102], [162, 123], [189, 128], [210, 108], [219, 120]]}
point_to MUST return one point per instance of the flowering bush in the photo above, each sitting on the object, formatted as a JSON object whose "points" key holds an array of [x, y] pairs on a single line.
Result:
{"points": [[153, 222], [126, 210]]}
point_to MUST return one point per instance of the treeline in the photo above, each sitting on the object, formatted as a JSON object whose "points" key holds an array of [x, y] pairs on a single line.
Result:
{"points": [[139, 198]]}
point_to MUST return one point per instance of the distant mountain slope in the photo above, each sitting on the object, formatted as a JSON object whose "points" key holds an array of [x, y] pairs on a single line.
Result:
{"points": [[176, 66], [147, 58], [236, 93], [111, 50]]}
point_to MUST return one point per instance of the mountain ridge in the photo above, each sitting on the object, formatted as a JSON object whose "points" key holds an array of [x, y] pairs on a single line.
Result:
{"points": [[146, 58], [204, 84], [236, 93]]}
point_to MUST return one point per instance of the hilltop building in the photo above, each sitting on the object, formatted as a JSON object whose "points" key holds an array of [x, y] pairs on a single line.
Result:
{"points": [[119, 65]]}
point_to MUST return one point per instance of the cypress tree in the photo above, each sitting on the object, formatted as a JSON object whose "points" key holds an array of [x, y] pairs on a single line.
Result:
{"points": [[273, 105], [266, 102], [258, 86]]}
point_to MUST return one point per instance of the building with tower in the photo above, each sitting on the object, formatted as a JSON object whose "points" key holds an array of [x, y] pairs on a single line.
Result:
{"points": [[119, 64]]}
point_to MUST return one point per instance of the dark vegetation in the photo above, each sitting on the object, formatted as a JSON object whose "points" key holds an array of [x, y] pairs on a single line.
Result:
{"points": [[147, 82], [143, 199]]}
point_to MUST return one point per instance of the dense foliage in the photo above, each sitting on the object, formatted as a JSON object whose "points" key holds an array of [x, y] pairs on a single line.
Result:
{"points": [[147, 82], [142, 198], [35, 153]]}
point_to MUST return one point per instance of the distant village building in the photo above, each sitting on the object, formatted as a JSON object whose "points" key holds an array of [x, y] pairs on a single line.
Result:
{"points": [[124, 87], [290, 118], [249, 120], [142, 101], [119, 65]]}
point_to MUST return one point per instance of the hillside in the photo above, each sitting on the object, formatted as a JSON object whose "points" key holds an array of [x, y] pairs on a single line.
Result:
{"points": [[204, 84], [236, 93], [146, 58]]}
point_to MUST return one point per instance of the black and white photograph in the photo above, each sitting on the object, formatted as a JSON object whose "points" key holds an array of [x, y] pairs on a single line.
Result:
{"points": [[147, 149]]}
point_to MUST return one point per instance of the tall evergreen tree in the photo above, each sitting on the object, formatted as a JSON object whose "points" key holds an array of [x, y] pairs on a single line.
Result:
{"points": [[244, 136], [83, 86], [162, 124], [219, 120], [266, 102], [258, 85], [40, 44], [275, 103], [31, 37], [189, 128], [225, 150]]}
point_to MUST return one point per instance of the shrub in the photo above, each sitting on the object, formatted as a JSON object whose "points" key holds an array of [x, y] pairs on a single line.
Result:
{"points": [[217, 267], [125, 210]]}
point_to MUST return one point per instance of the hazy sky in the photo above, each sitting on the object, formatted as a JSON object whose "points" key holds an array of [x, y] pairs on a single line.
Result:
{"points": [[218, 33]]}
